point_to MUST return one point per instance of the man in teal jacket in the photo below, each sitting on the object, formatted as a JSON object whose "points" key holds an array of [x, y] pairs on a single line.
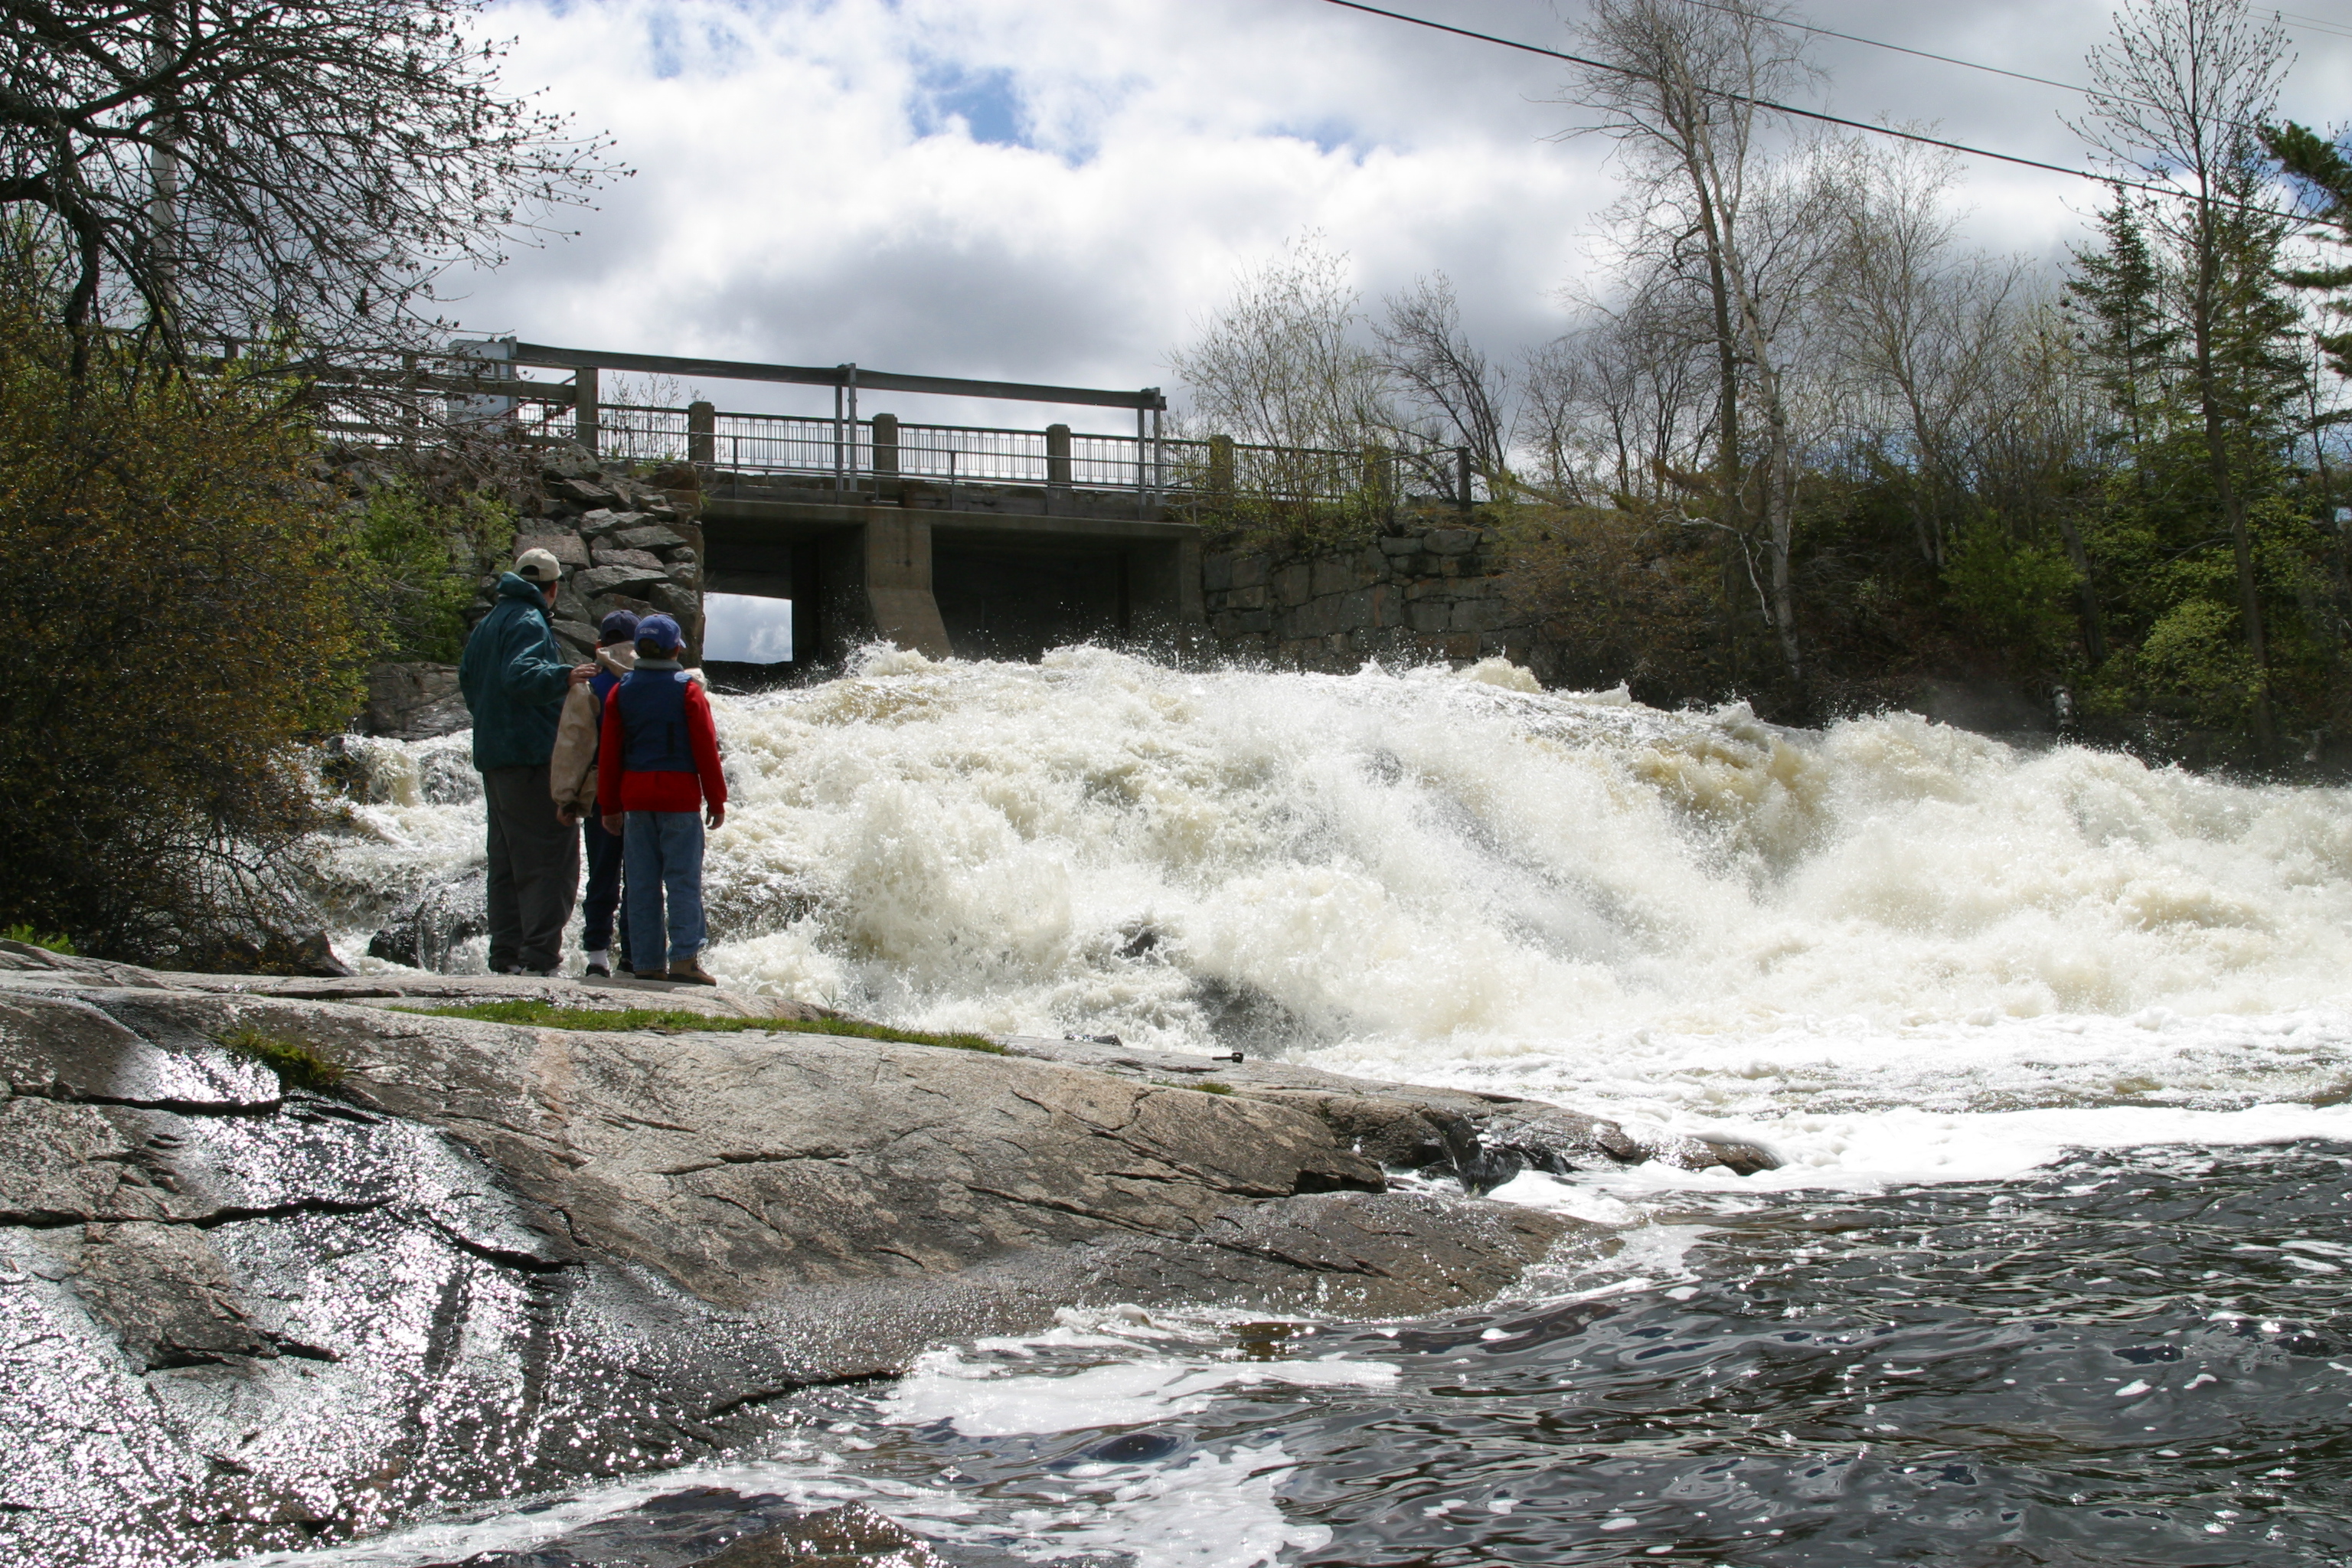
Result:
{"points": [[514, 679]]}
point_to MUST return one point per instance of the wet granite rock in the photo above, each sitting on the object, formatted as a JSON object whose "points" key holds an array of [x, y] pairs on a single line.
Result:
{"points": [[717, 1527], [413, 701], [444, 917], [240, 1317], [1483, 1139]]}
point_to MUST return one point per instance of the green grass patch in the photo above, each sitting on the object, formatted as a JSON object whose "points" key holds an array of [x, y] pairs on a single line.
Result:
{"points": [[297, 1066], [1205, 1085], [669, 1020], [23, 931]]}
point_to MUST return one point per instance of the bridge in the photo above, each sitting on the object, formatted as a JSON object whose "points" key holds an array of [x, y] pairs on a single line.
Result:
{"points": [[979, 541]]}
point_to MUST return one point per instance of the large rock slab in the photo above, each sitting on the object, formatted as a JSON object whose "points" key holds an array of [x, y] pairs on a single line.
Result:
{"points": [[1483, 1139], [238, 1317], [413, 701]]}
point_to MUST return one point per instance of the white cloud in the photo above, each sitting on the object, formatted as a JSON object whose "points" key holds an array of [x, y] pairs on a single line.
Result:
{"points": [[1055, 190]]}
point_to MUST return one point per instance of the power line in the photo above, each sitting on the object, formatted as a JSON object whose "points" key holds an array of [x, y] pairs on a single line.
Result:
{"points": [[1972, 65], [1791, 108], [1904, 49], [2333, 29]]}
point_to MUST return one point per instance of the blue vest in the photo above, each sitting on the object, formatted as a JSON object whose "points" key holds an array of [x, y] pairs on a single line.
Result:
{"points": [[653, 722]]}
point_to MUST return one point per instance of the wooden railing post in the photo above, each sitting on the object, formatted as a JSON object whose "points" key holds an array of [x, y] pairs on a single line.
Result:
{"points": [[585, 397], [701, 438], [1462, 476], [1057, 454]]}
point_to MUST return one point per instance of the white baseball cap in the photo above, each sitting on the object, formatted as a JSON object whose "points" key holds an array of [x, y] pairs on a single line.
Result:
{"points": [[538, 566]]}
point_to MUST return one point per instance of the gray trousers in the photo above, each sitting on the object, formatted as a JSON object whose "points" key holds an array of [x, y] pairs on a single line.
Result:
{"points": [[535, 875]]}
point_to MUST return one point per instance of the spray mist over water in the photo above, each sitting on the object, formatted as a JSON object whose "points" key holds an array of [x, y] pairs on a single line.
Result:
{"points": [[1831, 938]]}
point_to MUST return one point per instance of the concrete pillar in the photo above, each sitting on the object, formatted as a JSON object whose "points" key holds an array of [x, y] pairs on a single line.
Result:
{"points": [[899, 583], [1221, 468], [886, 443], [1057, 454], [585, 397], [701, 434], [1163, 593]]}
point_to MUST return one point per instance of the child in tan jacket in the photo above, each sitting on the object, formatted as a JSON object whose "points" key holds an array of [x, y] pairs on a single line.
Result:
{"points": [[571, 775]]}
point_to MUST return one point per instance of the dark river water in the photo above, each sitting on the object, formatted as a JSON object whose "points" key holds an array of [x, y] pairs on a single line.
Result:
{"points": [[2140, 1357]]}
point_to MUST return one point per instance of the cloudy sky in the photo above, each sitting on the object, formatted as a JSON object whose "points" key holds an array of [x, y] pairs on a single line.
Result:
{"points": [[1059, 190]]}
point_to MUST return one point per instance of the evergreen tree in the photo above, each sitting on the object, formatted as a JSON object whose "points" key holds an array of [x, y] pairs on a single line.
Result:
{"points": [[2323, 175], [2128, 340]]}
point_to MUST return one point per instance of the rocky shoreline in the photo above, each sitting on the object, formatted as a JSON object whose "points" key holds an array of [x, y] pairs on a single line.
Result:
{"points": [[494, 1260]]}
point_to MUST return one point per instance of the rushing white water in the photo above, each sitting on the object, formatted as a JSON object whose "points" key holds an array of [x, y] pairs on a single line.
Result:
{"points": [[1891, 947], [1893, 951]]}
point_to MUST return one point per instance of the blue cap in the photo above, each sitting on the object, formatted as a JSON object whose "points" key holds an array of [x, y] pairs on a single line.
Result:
{"points": [[618, 626], [662, 632]]}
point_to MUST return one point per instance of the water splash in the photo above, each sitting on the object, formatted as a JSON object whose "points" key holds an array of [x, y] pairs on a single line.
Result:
{"points": [[1686, 917]]}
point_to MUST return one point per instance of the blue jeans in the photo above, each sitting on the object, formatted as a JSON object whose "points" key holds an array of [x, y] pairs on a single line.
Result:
{"points": [[603, 898], [663, 852]]}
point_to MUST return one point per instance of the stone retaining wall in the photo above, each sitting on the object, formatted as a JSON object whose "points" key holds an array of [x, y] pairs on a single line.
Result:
{"points": [[1429, 592], [625, 543]]}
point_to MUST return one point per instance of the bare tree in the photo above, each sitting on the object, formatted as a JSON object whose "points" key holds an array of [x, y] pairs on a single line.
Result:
{"points": [[2180, 92], [1681, 88], [301, 170], [1462, 397], [1923, 330], [1623, 407], [1280, 365]]}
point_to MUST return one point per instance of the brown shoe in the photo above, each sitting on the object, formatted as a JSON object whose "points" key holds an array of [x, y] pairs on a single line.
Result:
{"points": [[648, 974], [692, 973]]}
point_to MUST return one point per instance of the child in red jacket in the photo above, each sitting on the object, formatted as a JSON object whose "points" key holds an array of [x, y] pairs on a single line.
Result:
{"points": [[656, 773]]}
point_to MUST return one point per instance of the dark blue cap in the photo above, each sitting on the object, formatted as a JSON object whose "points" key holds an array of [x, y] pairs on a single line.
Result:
{"points": [[618, 626], [662, 632]]}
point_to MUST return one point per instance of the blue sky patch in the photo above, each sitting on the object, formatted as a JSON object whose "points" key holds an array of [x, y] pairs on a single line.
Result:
{"points": [[1327, 135], [986, 100]]}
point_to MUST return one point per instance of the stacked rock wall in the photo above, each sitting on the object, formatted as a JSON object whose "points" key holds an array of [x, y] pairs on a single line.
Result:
{"points": [[1431, 591], [625, 543]]}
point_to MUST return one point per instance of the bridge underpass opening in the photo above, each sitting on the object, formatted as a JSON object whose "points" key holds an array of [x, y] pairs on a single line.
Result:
{"points": [[760, 610], [746, 628], [1013, 599]]}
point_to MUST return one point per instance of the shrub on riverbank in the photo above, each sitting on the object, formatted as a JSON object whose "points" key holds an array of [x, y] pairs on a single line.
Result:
{"points": [[176, 584]]}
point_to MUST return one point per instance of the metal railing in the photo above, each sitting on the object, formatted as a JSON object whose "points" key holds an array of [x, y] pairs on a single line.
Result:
{"points": [[1230, 480], [858, 455]]}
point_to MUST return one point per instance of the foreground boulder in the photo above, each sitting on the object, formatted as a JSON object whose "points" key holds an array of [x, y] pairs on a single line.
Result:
{"points": [[491, 1259]]}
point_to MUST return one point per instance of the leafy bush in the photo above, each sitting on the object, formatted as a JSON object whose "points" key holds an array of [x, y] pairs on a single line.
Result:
{"points": [[173, 574], [2022, 596], [2193, 656], [25, 932], [417, 562]]}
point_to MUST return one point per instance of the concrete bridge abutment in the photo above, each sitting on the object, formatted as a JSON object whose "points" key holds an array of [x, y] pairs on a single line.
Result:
{"points": [[1008, 575]]}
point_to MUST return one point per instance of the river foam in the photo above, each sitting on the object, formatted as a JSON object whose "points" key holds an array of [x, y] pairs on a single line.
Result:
{"points": [[1874, 946]]}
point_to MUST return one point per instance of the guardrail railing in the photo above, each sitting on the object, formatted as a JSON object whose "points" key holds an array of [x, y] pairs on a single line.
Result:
{"points": [[477, 388]]}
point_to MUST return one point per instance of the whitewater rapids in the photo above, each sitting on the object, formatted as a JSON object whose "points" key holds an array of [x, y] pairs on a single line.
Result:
{"points": [[1890, 949]]}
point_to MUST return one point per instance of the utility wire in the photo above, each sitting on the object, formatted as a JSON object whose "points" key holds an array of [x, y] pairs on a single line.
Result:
{"points": [[1970, 65], [2333, 29], [1792, 109], [1903, 49]]}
